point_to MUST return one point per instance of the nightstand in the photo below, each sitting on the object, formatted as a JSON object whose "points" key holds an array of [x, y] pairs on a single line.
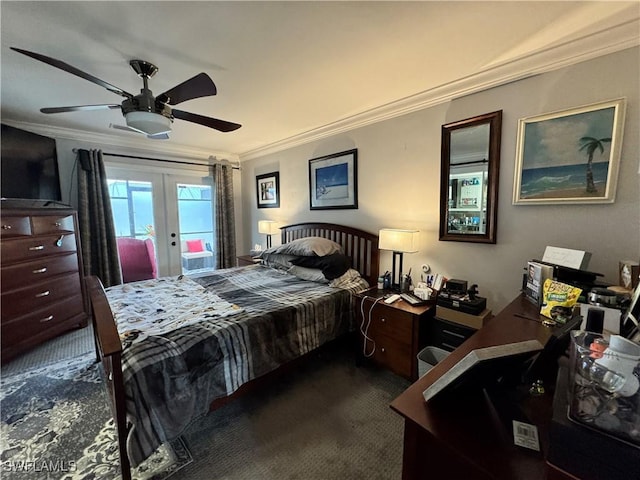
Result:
{"points": [[397, 331], [244, 260]]}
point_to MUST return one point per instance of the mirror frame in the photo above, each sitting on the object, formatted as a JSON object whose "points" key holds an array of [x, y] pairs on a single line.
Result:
{"points": [[494, 119]]}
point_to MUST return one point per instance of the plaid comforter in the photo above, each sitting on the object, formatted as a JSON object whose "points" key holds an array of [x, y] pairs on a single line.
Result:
{"points": [[253, 320]]}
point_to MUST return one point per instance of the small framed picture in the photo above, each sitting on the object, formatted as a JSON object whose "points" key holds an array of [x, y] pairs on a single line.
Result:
{"points": [[333, 181], [569, 156], [268, 190]]}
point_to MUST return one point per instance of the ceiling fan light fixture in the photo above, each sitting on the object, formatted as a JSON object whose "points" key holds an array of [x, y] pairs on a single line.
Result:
{"points": [[148, 122]]}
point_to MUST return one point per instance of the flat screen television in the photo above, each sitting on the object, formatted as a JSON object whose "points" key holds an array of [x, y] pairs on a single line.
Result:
{"points": [[28, 166]]}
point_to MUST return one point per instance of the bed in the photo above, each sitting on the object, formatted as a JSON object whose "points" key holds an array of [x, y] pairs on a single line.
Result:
{"points": [[174, 348]]}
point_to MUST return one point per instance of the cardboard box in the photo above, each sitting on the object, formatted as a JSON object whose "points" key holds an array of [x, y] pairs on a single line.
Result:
{"points": [[473, 321]]}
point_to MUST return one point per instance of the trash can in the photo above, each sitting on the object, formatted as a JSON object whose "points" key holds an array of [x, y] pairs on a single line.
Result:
{"points": [[429, 357]]}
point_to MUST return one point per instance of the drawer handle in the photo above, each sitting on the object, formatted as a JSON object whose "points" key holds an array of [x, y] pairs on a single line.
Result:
{"points": [[39, 247], [383, 320], [40, 270], [383, 350], [42, 294], [7, 227], [45, 320], [57, 224], [454, 334], [452, 347]]}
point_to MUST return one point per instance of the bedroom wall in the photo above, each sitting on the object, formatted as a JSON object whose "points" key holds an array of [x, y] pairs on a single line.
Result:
{"points": [[399, 174]]}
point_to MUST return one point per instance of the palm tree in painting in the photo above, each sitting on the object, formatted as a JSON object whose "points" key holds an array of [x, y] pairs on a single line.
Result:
{"points": [[591, 144]]}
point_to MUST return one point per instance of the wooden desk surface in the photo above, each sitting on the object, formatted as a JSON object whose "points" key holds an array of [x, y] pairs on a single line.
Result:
{"points": [[472, 434]]}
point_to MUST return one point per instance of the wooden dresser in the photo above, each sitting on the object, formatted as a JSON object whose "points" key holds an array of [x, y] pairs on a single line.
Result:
{"points": [[395, 333], [43, 292]]}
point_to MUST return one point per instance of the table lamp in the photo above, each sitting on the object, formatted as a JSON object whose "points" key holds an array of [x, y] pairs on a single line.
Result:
{"points": [[399, 242], [268, 227]]}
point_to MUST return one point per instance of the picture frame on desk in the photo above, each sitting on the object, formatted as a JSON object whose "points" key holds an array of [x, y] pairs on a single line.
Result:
{"points": [[537, 273], [482, 366]]}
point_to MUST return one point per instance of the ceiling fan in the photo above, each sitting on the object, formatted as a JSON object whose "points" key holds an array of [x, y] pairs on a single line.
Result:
{"points": [[144, 113]]}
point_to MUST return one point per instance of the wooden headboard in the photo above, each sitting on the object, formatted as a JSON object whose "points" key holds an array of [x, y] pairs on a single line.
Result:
{"points": [[360, 246]]}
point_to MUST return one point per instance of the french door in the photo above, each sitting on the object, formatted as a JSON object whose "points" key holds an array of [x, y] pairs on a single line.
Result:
{"points": [[174, 210]]}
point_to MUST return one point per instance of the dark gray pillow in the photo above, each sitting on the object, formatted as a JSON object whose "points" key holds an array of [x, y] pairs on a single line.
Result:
{"points": [[276, 260], [332, 266], [308, 246]]}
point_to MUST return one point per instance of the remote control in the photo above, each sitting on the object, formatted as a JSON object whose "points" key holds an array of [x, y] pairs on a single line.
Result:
{"points": [[392, 298], [411, 299]]}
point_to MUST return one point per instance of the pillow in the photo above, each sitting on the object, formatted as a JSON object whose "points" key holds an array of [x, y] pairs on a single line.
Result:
{"points": [[195, 246], [309, 246], [310, 274], [276, 260], [349, 278], [332, 266]]}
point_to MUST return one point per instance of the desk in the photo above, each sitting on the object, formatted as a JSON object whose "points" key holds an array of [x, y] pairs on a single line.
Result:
{"points": [[467, 437]]}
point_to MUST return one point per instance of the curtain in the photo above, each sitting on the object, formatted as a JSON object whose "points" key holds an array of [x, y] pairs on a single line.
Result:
{"points": [[225, 251], [97, 231]]}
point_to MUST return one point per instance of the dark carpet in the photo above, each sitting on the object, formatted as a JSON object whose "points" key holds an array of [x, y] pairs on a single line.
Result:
{"points": [[328, 419]]}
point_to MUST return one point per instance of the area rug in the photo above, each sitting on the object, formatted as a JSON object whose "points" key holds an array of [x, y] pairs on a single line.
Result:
{"points": [[56, 424]]}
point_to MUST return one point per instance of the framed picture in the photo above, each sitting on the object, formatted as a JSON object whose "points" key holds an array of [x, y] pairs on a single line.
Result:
{"points": [[268, 190], [333, 181], [570, 156]]}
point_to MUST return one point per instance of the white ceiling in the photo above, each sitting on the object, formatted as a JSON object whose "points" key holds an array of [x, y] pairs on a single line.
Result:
{"points": [[289, 72]]}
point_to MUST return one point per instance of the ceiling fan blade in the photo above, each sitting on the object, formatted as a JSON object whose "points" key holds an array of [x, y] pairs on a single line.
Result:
{"points": [[159, 136], [74, 71], [199, 86], [214, 123], [79, 108]]}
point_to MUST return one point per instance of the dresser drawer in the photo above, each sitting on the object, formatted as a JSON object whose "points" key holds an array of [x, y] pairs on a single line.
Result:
{"points": [[392, 323], [38, 321], [41, 225], [16, 276], [14, 226], [36, 296], [394, 355], [35, 247]]}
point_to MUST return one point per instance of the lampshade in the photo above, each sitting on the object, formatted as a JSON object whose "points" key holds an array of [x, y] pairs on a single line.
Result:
{"points": [[148, 122], [398, 240], [268, 227]]}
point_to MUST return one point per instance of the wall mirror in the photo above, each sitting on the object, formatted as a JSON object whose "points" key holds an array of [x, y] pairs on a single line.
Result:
{"points": [[469, 179]]}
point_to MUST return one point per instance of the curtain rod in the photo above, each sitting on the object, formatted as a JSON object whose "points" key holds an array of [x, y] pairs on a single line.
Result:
{"points": [[224, 162]]}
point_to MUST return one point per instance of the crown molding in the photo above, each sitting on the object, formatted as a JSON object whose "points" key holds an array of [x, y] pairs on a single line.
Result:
{"points": [[604, 42], [100, 139]]}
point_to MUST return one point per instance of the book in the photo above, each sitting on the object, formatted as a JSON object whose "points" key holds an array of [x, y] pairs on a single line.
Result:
{"points": [[537, 273], [483, 365]]}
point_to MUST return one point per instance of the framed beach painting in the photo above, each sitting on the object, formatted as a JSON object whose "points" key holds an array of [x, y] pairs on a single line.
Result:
{"points": [[268, 190], [333, 181], [570, 156]]}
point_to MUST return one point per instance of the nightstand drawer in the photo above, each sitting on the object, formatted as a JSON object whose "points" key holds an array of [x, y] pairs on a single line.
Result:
{"points": [[448, 335], [394, 355], [392, 323]]}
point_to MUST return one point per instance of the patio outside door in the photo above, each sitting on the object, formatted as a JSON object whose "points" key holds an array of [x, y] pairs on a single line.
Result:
{"points": [[175, 211]]}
